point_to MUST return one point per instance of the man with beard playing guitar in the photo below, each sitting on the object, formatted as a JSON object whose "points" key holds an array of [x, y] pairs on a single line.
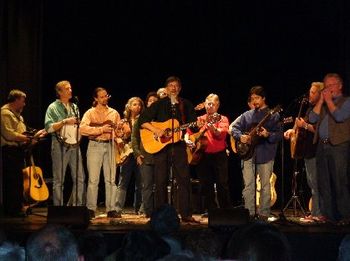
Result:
{"points": [[263, 146]]}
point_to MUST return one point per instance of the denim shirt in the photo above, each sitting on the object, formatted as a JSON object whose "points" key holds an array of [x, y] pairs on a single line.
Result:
{"points": [[265, 150]]}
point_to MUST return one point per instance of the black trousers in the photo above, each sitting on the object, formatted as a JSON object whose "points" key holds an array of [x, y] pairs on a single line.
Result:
{"points": [[172, 155], [12, 179], [213, 168]]}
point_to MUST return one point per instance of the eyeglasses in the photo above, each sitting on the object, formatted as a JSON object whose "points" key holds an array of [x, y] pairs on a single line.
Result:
{"points": [[108, 96], [331, 85]]}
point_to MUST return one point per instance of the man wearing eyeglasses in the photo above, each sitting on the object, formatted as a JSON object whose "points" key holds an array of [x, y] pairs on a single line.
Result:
{"points": [[211, 157], [98, 124], [332, 117]]}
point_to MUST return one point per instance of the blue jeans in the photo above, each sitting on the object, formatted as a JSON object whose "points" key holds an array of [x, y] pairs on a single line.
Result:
{"points": [[311, 177], [147, 178], [126, 171], [61, 157], [264, 170], [101, 155]]}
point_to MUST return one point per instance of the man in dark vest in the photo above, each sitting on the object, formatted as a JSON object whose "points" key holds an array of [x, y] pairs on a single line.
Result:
{"points": [[332, 115]]}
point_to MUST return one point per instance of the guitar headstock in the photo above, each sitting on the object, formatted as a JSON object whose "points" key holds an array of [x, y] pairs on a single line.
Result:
{"points": [[277, 109], [288, 120]]}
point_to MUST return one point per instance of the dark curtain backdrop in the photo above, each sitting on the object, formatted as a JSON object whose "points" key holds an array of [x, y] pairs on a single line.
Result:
{"points": [[21, 56], [21, 53], [130, 47]]}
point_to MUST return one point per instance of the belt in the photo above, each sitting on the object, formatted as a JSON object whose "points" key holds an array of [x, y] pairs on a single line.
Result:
{"points": [[325, 141], [101, 141]]}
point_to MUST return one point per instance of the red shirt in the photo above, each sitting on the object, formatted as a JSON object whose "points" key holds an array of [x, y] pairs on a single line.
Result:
{"points": [[216, 143]]}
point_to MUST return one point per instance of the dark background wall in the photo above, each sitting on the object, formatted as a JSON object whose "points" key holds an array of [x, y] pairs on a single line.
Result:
{"points": [[130, 47]]}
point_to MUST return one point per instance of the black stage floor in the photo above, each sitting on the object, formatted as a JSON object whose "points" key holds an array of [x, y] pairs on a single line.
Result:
{"points": [[308, 241]]}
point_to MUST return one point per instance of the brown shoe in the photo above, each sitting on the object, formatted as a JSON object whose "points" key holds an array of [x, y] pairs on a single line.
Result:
{"points": [[190, 219]]}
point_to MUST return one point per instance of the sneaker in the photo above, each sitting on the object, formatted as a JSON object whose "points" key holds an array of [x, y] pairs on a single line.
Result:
{"points": [[113, 214], [272, 219], [308, 219]]}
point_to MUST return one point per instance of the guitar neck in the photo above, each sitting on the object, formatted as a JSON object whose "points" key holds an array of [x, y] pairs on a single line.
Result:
{"points": [[266, 117], [261, 123], [185, 126], [303, 102]]}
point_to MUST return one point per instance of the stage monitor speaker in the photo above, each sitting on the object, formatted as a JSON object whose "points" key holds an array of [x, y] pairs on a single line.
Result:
{"points": [[227, 217], [74, 217]]}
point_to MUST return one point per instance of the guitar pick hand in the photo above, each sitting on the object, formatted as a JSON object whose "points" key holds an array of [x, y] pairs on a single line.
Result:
{"points": [[245, 139], [262, 132]]}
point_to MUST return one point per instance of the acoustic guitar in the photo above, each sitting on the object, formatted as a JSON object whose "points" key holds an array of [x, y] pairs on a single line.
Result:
{"points": [[297, 138], [33, 183], [310, 204], [233, 144], [246, 150], [122, 152], [273, 179], [200, 142], [154, 144]]}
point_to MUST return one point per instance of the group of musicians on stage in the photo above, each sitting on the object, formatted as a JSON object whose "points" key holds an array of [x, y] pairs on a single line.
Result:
{"points": [[147, 142]]}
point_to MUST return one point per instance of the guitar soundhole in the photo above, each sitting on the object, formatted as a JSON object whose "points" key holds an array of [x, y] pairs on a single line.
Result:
{"points": [[166, 137]]}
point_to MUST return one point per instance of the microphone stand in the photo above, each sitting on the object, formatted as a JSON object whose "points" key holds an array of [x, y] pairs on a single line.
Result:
{"points": [[256, 215], [76, 114], [171, 174], [294, 199], [281, 215]]}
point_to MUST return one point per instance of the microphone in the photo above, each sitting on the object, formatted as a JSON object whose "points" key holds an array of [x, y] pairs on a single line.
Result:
{"points": [[109, 96], [74, 99]]}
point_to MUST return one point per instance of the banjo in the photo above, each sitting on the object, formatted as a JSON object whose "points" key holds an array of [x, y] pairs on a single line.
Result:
{"points": [[69, 135]]}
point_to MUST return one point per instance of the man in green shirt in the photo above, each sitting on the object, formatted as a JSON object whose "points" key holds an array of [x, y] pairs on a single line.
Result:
{"points": [[61, 121]]}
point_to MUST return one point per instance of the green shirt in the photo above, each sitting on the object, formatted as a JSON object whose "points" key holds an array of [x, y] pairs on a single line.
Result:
{"points": [[57, 111], [12, 125]]}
